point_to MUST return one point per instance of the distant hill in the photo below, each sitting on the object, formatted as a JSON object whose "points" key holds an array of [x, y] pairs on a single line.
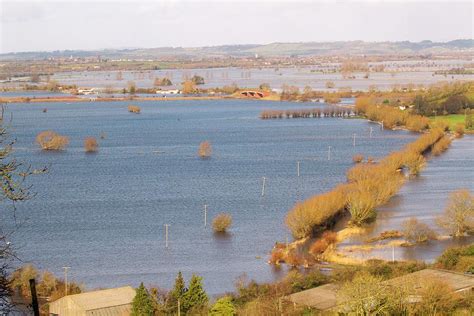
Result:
{"points": [[267, 50]]}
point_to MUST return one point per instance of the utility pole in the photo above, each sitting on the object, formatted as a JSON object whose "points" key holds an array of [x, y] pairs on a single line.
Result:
{"points": [[263, 186], [179, 307], [205, 215], [166, 235], [393, 253], [298, 168], [34, 298], [65, 279]]}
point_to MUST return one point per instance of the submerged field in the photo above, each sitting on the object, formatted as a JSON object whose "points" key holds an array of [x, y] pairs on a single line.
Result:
{"points": [[103, 214]]}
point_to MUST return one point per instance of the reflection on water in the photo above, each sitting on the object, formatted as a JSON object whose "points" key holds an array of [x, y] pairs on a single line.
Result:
{"points": [[425, 198]]}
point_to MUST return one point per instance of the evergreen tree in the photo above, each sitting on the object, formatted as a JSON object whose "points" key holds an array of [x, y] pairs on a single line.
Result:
{"points": [[195, 297], [142, 304], [176, 294], [223, 307]]}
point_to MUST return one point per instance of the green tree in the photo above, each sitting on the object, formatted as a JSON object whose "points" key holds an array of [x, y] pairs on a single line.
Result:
{"points": [[132, 87], [142, 304], [176, 294], [197, 80], [195, 297], [469, 122], [223, 307]]}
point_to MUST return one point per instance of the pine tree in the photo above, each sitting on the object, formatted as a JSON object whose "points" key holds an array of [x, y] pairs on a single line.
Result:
{"points": [[177, 293], [142, 304], [195, 297]]}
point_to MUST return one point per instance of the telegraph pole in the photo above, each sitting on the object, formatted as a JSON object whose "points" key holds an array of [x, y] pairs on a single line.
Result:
{"points": [[65, 279], [166, 235], [298, 168], [205, 215]]}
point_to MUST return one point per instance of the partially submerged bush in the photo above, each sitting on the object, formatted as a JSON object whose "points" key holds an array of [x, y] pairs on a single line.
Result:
{"points": [[441, 145], [205, 149], [50, 140], [277, 256], [319, 246], [417, 123], [90, 144], [458, 217], [417, 232], [459, 130], [134, 109], [357, 158], [222, 222]]}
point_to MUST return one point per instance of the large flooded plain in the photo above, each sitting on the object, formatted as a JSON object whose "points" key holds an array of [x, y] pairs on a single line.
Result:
{"points": [[103, 214]]}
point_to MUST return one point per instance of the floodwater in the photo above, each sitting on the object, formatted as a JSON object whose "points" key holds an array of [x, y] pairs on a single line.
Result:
{"points": [[425, 199], [253, 77], [103, 214]]}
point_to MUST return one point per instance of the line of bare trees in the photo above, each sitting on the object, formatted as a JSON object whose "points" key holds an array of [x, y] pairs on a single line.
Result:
{"points": [[307, 113]]}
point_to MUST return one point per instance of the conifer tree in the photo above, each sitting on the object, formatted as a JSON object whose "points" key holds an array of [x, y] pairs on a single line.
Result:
{"points": [[177, 293], [195, 297], [142, 304], [223, 307]]}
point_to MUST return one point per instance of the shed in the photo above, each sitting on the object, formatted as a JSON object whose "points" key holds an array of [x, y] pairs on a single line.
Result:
{"points": [[116, 301], [325, 297]]}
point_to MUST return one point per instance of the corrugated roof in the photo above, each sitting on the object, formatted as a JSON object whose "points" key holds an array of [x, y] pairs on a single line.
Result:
{"points": [[325, 297], [457, 281], [102, 299]]}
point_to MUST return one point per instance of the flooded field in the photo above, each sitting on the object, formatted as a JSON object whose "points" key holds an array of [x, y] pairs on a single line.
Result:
{"points": [[424, 198], [103, 214], [276, 77]]}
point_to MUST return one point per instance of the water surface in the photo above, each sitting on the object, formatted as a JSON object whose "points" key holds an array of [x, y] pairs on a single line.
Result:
{"points": [[103, 214]]}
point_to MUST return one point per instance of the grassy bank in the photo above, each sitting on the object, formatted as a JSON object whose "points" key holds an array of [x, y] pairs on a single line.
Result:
{"points": [[453, 120]]}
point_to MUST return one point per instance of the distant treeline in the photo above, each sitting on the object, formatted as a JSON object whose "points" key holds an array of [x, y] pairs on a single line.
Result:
{"points": [[307, 113]]}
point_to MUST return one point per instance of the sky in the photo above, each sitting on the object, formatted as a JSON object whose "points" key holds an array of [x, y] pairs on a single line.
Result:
{"points": [[60, 25]]}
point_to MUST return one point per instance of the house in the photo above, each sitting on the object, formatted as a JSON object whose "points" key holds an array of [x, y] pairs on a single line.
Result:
{"points": [[116, 301], [165, 92], [326, 298], [86, 91]]}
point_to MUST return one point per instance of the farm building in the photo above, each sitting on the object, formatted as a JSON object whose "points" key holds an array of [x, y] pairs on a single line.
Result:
{"points": [[117, 301], [325, 297]]}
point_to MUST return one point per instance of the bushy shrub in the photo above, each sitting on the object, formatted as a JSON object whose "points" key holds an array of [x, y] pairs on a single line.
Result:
{"points": [[50, 140], [417, 232], [316, 211], [90, 144], [205, 149], [459, 130], [293, 259], [222, 222], [357, 158], [223, 307], [417, 123], [441, 145], [458, 217], [276, 256], [134, 109]]}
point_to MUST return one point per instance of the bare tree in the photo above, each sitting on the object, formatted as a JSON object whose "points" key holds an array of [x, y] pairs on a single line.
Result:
{"points": [[14, 189], [458, 217]]}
